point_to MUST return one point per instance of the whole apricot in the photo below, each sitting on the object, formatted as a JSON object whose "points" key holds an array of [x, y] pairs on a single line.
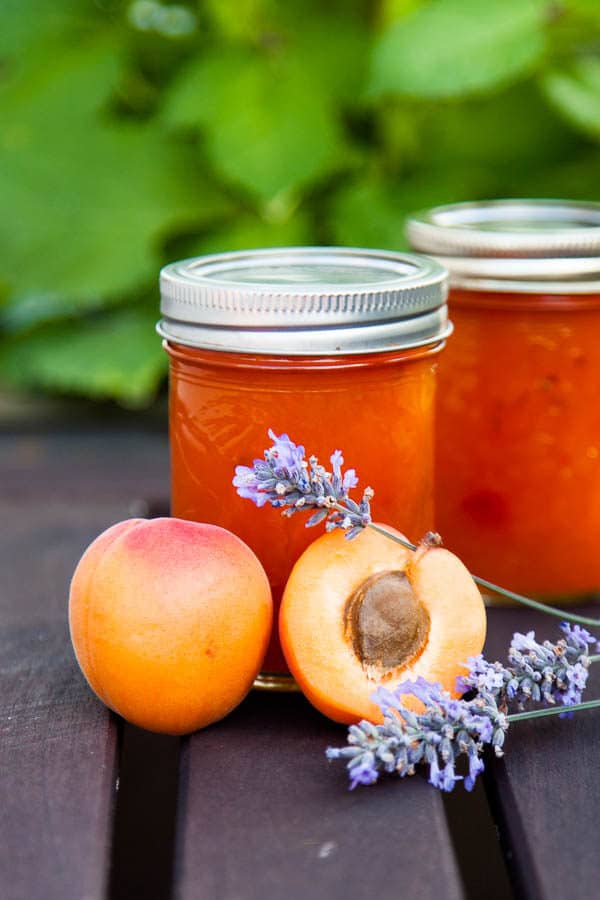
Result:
{"points": [[366, 612], [170, 621]]}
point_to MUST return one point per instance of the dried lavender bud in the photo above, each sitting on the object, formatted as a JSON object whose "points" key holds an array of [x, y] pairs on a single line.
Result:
{"points": [[290, 482], [449, 728], [536, 673], [437, 737]]}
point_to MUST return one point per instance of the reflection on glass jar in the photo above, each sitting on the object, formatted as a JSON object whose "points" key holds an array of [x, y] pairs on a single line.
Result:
{"points": [[518, 414], [349, 364]]}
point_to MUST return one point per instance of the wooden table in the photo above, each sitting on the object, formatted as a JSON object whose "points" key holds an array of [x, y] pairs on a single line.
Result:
{"points": [[248, 809]]}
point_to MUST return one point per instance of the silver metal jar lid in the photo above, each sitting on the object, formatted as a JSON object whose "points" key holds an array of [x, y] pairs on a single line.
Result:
{"points": [[304, 301], [514, 245]]}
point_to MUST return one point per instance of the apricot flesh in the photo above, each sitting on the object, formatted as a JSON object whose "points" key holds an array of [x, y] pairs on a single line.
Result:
{"points": [[170, 621], [367, 612]]}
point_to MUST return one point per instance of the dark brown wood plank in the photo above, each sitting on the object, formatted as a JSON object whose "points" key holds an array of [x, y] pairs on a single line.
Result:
{"points": [[58, 747], [546, 791], [89, 464], [263, 816], [58, 743], [58, 774]]}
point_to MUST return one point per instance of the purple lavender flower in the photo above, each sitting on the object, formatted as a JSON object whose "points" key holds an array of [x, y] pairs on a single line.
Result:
{"points": [[345, 482], [445, 778], [290, 482], [288, 455], [364, 772], [437, 737], [536, 673], [476, 767], [248, 485], [579, 637]]}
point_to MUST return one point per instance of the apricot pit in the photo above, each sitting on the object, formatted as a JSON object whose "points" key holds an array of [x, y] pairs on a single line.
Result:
{"points": [[367, 612], [386, 623]]}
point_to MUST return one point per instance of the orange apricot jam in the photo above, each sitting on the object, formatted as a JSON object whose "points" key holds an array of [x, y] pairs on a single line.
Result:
{"points": [[363, 383], [518, 411]]}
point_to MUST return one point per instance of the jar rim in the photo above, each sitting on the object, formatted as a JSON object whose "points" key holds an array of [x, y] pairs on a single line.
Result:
{"points": [[382, 338], [515, 245], [304, 300]]}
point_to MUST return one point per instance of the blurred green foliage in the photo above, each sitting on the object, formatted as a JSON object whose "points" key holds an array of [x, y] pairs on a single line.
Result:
{"points": [[132, 133]]}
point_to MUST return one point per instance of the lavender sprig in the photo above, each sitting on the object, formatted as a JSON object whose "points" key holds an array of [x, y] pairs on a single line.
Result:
{"points": [[536, 673], [438, 737], [373, 749], [288, 481], [550, 674]]}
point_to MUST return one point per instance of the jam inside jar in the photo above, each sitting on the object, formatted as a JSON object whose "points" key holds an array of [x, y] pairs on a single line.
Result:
{"points": [[376, 406], [377, 409], [518, 418], [518, 441]]}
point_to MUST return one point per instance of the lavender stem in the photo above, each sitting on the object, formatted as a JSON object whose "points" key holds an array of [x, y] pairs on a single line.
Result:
{"points": [[552, 711]]}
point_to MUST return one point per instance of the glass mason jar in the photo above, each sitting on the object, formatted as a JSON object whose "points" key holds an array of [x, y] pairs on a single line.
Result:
{"points": [[335, 347], [518, 414]]}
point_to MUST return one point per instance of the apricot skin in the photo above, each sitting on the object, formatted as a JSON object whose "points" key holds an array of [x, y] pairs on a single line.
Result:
{"points": [[311, 622], [169, 621]]}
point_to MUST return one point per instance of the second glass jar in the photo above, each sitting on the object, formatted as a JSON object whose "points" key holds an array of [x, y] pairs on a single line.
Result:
{"points": [[518, 416]]}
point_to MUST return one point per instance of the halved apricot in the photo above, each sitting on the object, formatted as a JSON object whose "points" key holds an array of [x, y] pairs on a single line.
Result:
{"points": [[362, 613]]}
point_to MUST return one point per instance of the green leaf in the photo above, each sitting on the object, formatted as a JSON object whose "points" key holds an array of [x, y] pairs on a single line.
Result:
{"points": [[21, 313], [116, 354], [372, 212], [248, 232], [243, 20], [588, 9], [331, 44], [267, 127], [575, 93], [514, 127], [575, 177], [330, 41], [450, 48], [88, 199], [28, 23], [391, 10]]}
